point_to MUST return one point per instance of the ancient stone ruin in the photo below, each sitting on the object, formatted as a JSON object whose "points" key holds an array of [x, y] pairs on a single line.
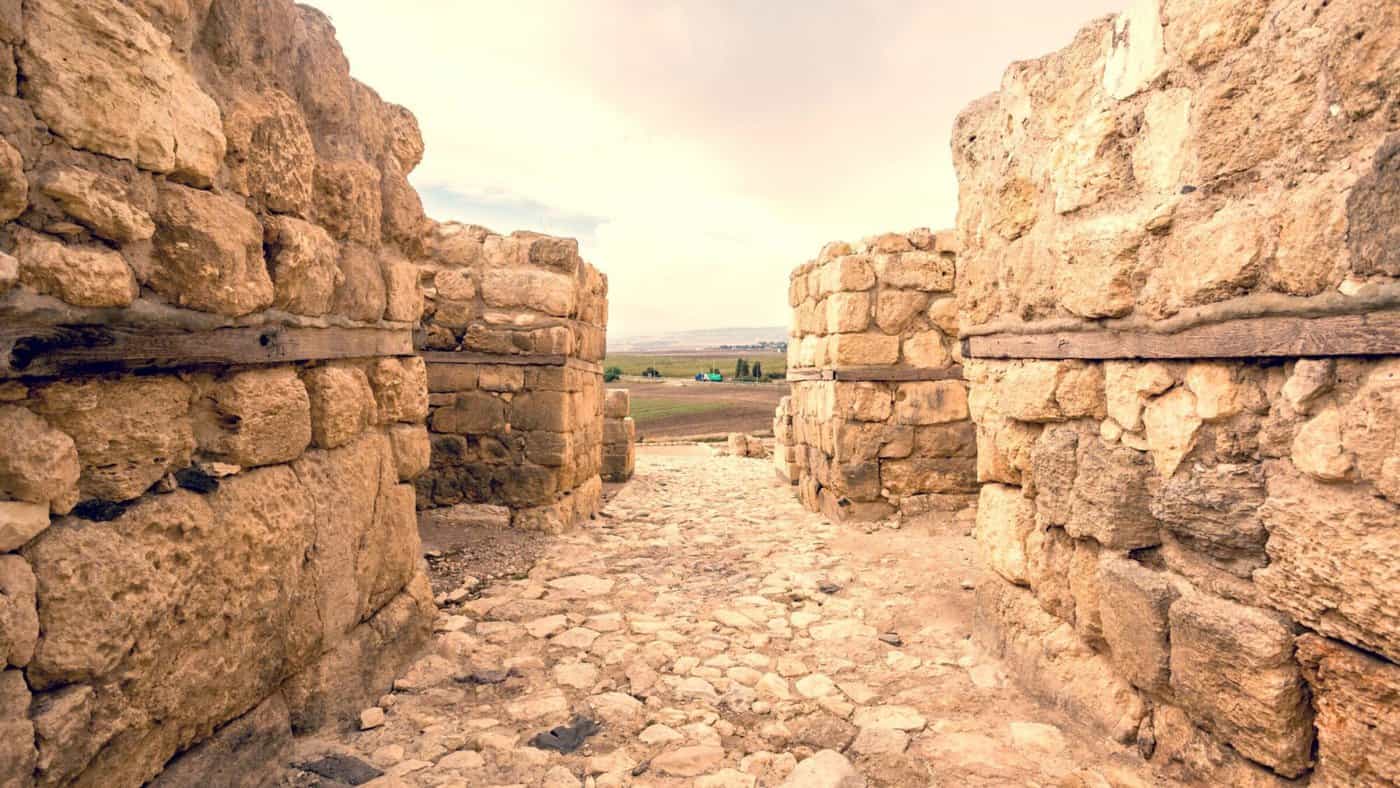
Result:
{"points": [[619, 436], [1179, 240], [879, 417], [211, 409], [513, 332], [785, 443]]}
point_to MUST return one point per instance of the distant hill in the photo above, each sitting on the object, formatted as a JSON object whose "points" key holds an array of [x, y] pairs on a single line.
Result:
{"points": [[698, 339]]}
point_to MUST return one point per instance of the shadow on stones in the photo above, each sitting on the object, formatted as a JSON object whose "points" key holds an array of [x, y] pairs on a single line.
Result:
{"points": [[565, 738]]}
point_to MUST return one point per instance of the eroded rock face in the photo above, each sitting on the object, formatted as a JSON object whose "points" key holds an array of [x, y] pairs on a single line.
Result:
{"points": [[1357, 716], [208, 254]]}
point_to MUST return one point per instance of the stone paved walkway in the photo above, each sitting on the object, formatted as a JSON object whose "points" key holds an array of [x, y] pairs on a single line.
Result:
{"points": [[720, 635]]}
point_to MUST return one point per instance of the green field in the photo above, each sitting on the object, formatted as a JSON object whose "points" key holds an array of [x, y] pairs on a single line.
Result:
{"points": [[686, 365], [648, 411]]}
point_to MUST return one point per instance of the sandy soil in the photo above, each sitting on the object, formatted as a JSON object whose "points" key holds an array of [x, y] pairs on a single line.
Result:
{"points": [[742, 407]]}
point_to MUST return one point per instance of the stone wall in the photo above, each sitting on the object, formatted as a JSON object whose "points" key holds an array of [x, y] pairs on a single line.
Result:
{"points": [[1199, 555], [784, 443], [884, 441], [514, 330], [206, 549], [619, 436]]}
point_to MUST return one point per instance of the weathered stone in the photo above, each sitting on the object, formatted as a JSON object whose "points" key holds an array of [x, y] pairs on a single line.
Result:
{"points": [[617, 404], [20, 522], [81, 276], [926, 271], [1127, 387], [208, 254], [926, 350], [895, 308], [400, 388], [1357, 714], [271, 157], [1371, 427], [342, 404], [257, 417], [348, 201], [107, 81], [1200, 33], [1004, 519], [931, 402], [1323, 569], [1216, 511], [1318, 451], [98, 202], [1137, 52], [19, 616], [40, 467], [1172, 426], [1311, 379], [855, 350], [244, 753], [847, 312], [129, 432], [412, 449], [17, 753], [305, 266], [1134, 601], [1110, 498], [540, 290], [360, 291], [1232, 667], [403, 301]]}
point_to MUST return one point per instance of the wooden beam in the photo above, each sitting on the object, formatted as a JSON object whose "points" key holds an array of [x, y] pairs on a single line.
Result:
{"points": [[456, 357], [1374, 334], [877, 374], [47, 351], [805, 375]]}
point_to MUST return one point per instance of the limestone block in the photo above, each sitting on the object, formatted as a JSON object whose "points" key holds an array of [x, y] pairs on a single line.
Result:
{"points": [[543, 410], [848, 273], [1371, 427], [1084, 587], [1206, 262], [1200, 32], [20, 522], [926, 271], [529, 288], [1003, 448], [1128, 386], [452, 377], [943, 313], [560, 254], [926, 350], [208, 253], [895, 308], [257, 417], [82, 276], [1133, 605], [455, 244], [1324, 571], [400, 388], [888, 243], [1038, 391], [360, 292], [17, 754], [411, 448], [1004, 519], [847, 312], [14, 186], [1215, 510], [472, 413], [129, 432], [244, 753], [1310, 379], [1358, 718], [1172, 426], [1161, 153], [19, 615], [617, 404], [342, 404], [453, 314], [833, 250], [501, 378], [955, 439], [1232, 668], [1110, 498], [1049, 552], [862, 401], [401, 208], [271, 157], [1054, 464], [1081, 177], [348, 201], [1184, 752], [40, 465], [454, 285], [930, 402], [305, 266], [1223, 390], [855, 350], [97, 202], [403, 301], [106, 80], [1136, 50], [929, 475], [1318, 450], [624, 431]]}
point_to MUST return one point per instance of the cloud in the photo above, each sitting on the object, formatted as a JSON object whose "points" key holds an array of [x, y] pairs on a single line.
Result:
{"points": [[699, 150]]}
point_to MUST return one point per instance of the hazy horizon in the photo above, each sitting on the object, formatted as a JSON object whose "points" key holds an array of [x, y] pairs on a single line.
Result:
{"points": [[699, 151]]}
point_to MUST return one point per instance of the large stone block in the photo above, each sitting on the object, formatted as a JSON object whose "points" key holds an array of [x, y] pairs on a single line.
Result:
{"points": [[348, 201], [1325, 570], [847, 312], [79, 275], [208, 253], [1133, 605], [1357, 697], [129, 431], [39, 466], [472, 413], [97, 202], [1215, 510], [918, 475], [305, 266], [19, 614], [248, 752], [856, 350], [1232, 668], [1172, 427], [1004, 518], [1111, 497], [617, 404], [930, 402], [105, 80], [257, 417], [400, 388], [360, 292], [271, 157], [926, 271], [412, 449], [17, 753], [342, 404], [530, 288]]}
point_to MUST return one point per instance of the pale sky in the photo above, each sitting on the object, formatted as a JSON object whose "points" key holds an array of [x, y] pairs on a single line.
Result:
{"points": [[698, 149]]}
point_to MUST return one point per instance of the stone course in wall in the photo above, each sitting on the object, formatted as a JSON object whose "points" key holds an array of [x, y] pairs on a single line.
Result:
{"points": [[895, 437], [784, 443], [513, 332], [619, 436], [196, 551], [1198, 555]]}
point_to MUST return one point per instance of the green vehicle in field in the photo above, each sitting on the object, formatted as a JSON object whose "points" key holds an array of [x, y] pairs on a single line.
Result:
{"points": [[711, 377]]}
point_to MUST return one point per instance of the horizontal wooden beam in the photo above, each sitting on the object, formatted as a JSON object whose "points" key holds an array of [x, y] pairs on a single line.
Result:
{"points": [[553, 360], [47, 351], [1373, 334], [876, 374]]}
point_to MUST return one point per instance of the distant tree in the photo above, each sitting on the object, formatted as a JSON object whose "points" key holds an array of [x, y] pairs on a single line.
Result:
{"points": [[757, 371], [651, 372], [612, 373], [741, 368]]}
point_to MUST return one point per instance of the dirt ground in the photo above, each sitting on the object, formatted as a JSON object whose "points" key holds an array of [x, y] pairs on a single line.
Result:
{"points": [[706, 631], [675, 409]]}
